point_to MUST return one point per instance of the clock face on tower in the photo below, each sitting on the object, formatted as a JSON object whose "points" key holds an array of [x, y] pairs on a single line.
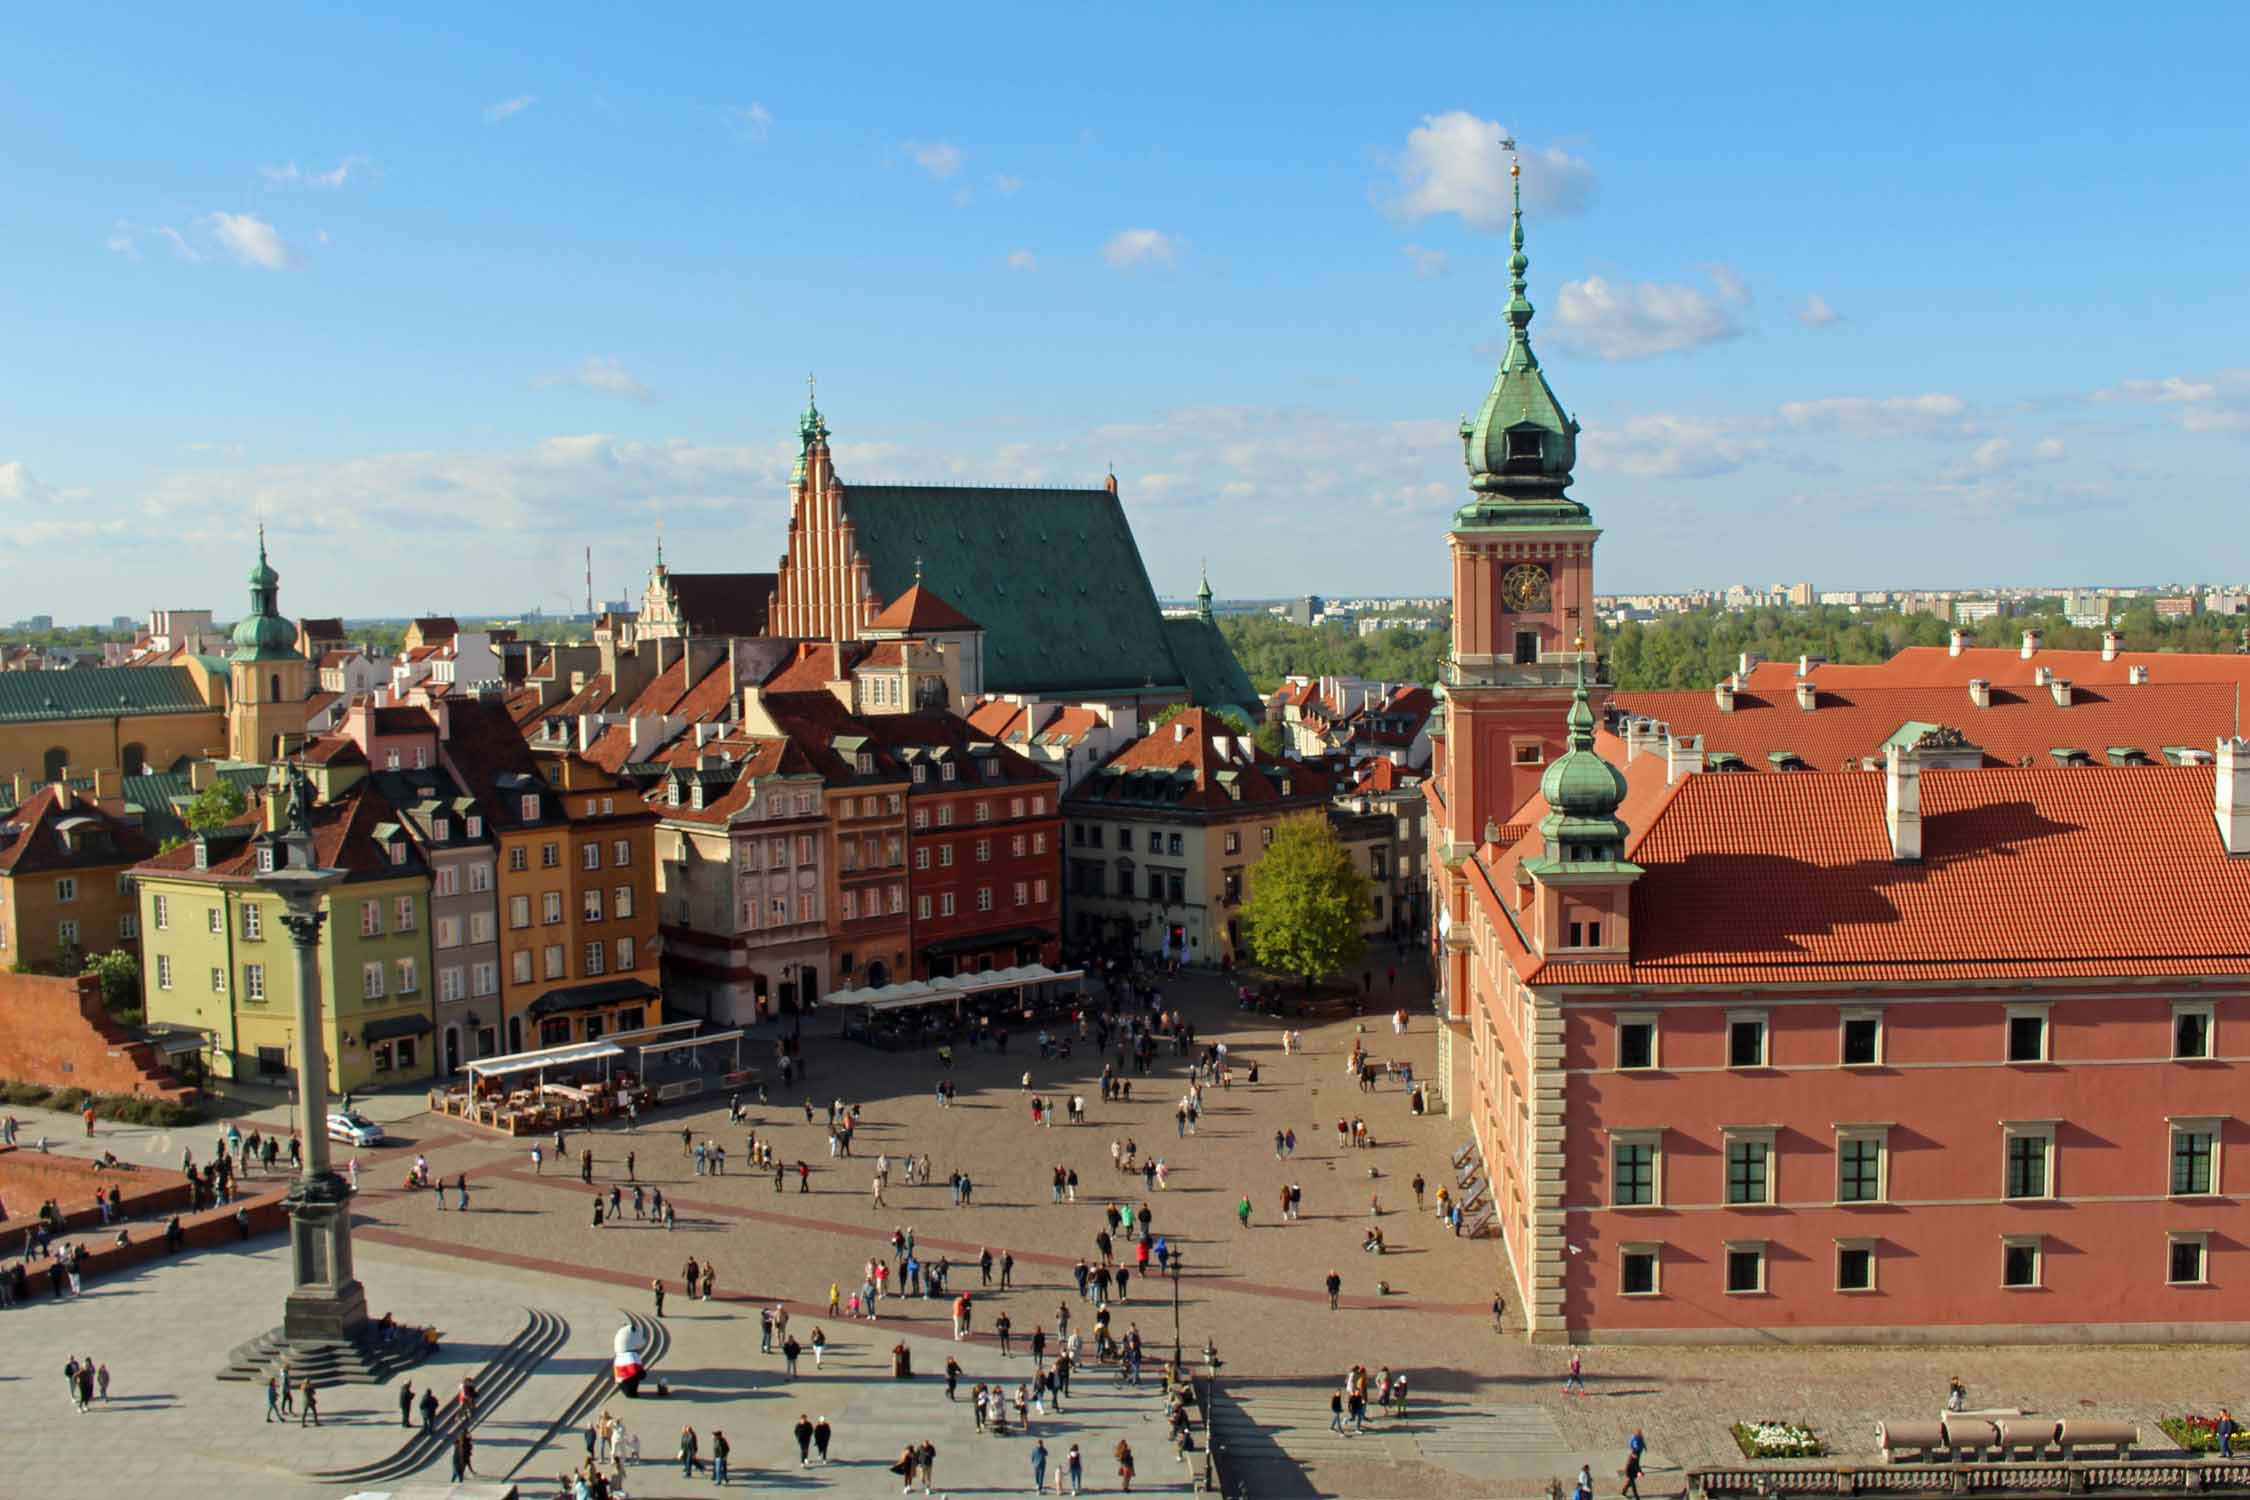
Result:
{"points": [[1525, 586]]}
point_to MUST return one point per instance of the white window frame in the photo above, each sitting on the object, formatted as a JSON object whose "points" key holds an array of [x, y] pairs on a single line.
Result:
{"points": [[1654, 1140], [370, 919], [624, 963], [520, 966], [253, 923], [1874, 1266], [945, 903], [1750, 1135], [1882, 1034], [402, 914], [214, 919], [1763, 1019], [218, 981], [2209, 1014], [1654, 1250], [409, 976], [66, 888], [1761, 1249], [2201, 1239], [1646, 1018], [2044, 1014], [2037, 1245], [620, 851], [2043, 1130], [590, 855], [1881, 1136], [371, 979], [2210, 1125], [163, 971], [160, 912], [921, 908], [529, 807], [984, 898]]}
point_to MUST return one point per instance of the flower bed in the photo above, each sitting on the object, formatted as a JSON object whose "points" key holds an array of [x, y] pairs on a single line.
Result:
{"points": [[1776, 1440], [2194, 1434]]}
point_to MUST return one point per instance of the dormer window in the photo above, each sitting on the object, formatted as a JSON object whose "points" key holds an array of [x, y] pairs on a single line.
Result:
{"points": [[476, 827], [443, 829], [1523, 445], [948, 773], [864, 763], [398, 852], [265, 859], [921, 774], [531, 809], [202, 854], [695, 797]]}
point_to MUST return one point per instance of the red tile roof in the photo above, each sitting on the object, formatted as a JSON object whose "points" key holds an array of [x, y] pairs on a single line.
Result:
{"points": [[2025, 874], [31, 839], [1935, 666], [343, 838], [921, 609], [1191, 760], [1850, 722]]}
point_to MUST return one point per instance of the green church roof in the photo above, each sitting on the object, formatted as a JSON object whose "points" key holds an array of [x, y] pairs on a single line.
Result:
{"points": [[97, 693], [1054, 577], [1214, 678], [262, 634]]}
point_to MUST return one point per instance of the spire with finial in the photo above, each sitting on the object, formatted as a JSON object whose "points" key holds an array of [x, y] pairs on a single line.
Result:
{"points": [[1203, 594], [917, 570], [812, 426], [1521, 445]]}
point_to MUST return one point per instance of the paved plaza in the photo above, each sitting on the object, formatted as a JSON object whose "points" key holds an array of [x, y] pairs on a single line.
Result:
{"points": [[1488, 1415]]}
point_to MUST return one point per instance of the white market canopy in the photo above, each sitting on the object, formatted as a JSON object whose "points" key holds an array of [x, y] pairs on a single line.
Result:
{"points": [[931, 991], [575, 1055]]}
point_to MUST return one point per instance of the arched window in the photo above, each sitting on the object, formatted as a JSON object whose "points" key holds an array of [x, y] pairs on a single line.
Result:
{"points": [[133, 759], [57, 761], [273, 688]]}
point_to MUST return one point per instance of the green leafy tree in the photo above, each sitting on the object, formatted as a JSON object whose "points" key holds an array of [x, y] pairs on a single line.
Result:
{"points": [[215, 806], [1232, 718], [120, 974], [1270, 739], [1307, 902]]}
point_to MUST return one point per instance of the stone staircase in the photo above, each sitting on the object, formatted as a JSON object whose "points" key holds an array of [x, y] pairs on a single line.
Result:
{"points": [[369, 1362], [597, 1391]]}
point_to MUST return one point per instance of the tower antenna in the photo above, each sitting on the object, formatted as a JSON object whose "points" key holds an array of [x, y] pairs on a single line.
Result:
{"points": [[589, 583]]}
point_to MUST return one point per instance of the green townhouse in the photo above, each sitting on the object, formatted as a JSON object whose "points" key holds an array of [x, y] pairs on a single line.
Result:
{"points": [[218, 959]]}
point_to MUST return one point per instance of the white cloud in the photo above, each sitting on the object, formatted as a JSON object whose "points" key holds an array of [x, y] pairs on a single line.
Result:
{"points": [[937, 158], [506, 108], [1664, 446], [1005, 185], [253, 241], [1454, 164], [126, 237], [292, 175], [1130, 249], [750, 122], [2218, 402], [600, 372], [1022, 260], [1866, 417], [1427, 263], [2048, 450], [1633, 320], [66, 531], [1814, 312], [17, 483]]}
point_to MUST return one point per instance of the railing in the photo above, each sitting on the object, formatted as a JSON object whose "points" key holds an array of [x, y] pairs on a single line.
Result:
{"points": [[2182, 1476]]}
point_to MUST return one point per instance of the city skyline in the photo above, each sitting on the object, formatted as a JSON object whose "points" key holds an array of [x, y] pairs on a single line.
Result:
{"points": [[563, 285]]}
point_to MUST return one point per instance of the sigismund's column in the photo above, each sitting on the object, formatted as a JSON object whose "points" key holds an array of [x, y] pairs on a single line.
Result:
{"points": [[326, 1303]]}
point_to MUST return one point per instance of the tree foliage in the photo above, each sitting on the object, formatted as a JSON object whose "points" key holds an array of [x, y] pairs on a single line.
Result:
{"points": [[215, 806], [120, 974], [1271, 648], [1307, 902]]}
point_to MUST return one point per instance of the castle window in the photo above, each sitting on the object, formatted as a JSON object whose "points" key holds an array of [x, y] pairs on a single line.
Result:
{"points": [[1523, 445]]}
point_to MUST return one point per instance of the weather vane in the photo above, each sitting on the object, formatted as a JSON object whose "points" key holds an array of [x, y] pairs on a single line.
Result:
{"points": [[1508, 144]]}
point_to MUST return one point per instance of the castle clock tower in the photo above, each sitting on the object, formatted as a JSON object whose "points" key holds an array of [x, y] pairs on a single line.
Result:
{"points": [[1523, 586]]}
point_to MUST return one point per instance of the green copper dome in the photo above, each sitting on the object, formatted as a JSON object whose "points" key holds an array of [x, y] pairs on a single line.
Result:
{"points": [[262, 634], [1521, 445], [1580, 784]]}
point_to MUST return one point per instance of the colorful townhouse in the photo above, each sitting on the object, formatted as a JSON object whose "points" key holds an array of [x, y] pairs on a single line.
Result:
{"points": [[65, 889], [216, 957]]}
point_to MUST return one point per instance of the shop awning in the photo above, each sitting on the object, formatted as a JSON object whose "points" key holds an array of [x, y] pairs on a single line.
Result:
{"points": [[173, 1040], [390, 1028], [593, 996], [977, 942], [578, 1054]]}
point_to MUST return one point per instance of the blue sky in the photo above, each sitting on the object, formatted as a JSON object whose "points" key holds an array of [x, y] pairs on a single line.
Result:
{"points": [[1938, 296]]}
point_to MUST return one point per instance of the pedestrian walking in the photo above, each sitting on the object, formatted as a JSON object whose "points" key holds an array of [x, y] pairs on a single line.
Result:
{"points": [[656, 1285], [1335, 1285], [1074, 1468], [464, 1455], [1039, 1466], [1632, 1472], [689, 1446], [1124, 1455], [1574, 1384], [429, 1409], [720, 1448], [273, 1399], [101, 1382], [820, 1435], [1583, 1487], [406, 1403], [311, 1411]]}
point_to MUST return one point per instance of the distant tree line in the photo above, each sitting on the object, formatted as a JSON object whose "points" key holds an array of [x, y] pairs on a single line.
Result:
{"points": [[1271, 648]]}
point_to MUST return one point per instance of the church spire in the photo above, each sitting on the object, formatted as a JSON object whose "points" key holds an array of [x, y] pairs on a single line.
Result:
{"points": [[1522, 445], [1203, 595]]}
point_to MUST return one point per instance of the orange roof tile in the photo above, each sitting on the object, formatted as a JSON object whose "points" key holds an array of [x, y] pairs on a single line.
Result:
{"points": [[921, 609], [1851, 721], [1936, 666]]}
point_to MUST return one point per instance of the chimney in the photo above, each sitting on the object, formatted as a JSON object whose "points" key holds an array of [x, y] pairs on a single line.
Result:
{"points": [[1960, 641], [1808, 696], [2041, 676], [1902, 801], [2113, 641], [2060, 687], [2032, 641], [1682, 757], [1724, 693], [2231, 799], [589, 730], [22, 785], [1746, 662], [1805, 664], [706, 732], [1980, 692], [109, 793], [2136, 674], [200, 774]]}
